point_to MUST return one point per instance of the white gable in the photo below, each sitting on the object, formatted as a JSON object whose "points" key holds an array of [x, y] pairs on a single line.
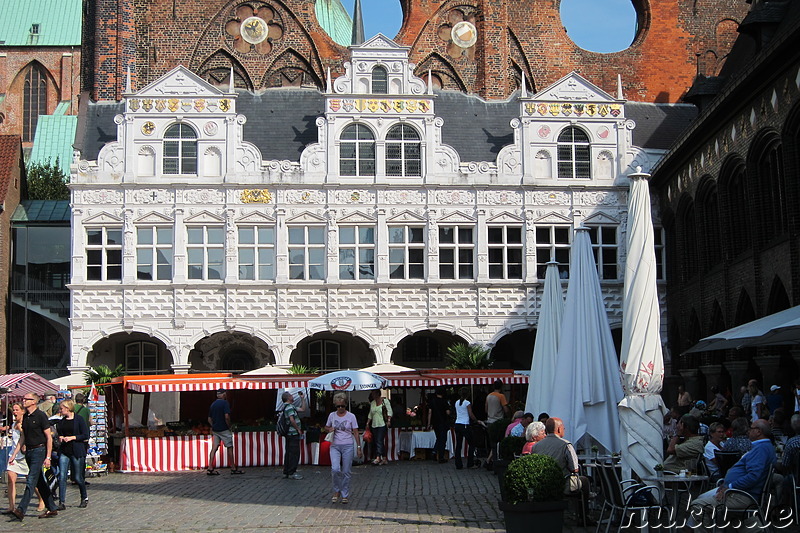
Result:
{"points": [[306, 217], [573, 87], [357, 218], [179, 82], [406, 216], [102, 219], [553, 218], [380, 41], [256, 217], [153, 218], [600, 218], [456, 217], [505, 218], [204, 217]]}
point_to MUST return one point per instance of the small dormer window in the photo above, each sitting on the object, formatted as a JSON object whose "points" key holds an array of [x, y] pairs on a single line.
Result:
{"points": [[380, 83], [34, 29]]}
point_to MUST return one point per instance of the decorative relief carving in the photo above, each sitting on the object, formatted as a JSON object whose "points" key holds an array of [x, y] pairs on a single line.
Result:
{"points": [[598, 198], [305, 197], [454, 197], [403, 197], [100, 196], [203, 196], [350, 196], [151, 196], [551, 198], [256, 196], [502, 198]]}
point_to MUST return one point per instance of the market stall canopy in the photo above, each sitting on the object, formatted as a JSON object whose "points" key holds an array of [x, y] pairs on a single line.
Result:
{"points": [[269, 370], [776, 329], [348, 380], [17, 385], [70, 380], [387, 368]]}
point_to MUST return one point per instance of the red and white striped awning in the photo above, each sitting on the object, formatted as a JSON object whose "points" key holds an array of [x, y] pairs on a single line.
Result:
{"points": [[205, 384], [21, 384], [424, 379]]}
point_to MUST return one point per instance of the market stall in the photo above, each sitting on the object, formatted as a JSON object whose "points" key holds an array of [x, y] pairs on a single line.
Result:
{"points": [[149, 444]]}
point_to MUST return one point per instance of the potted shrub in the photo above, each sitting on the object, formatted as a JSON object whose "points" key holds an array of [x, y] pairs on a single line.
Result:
{"points": [[534, 490], [509, 448]]}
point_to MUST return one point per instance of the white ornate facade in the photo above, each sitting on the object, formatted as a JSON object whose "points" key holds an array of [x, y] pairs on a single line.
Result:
{"points": [[188, 242]]}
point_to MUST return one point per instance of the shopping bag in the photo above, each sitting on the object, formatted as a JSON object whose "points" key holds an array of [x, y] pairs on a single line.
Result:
{"points": [[50, 478]]}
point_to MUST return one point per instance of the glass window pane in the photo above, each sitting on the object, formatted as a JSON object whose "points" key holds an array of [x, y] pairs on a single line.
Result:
{"points": [[397, 234], [447, 271], [246, 236], [164, 235], [114, 272], [297, 235], [216, 235], [496, 271], [562, 235], [447, 235], [416, 271], [514, 235], [266, 235], [416, 235], [316, 235], [296, 272], [194, 235], [366, 235], [397, 255], [114, 236], [247, 256], [144, 235], [266, 256], [465, 235], [397, 272], [495, 235], [316, 256], [609, 235], [347, 235], [94, 236], [347, 256], [297, 256], [446, 255], [164, 271]]}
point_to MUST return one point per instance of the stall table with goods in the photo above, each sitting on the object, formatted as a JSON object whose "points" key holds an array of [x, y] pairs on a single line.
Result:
{"points": [[185, 444]]}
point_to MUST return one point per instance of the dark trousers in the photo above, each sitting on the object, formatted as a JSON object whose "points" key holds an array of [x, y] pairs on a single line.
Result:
{"points": [[35, 459], [379, 440], [291, 455], [463, 434], [441, 442]]}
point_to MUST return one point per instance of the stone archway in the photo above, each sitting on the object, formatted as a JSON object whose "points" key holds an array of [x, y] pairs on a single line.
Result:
{"points": [[425, 349], [326, 351], [138, 353], [233, 352]]}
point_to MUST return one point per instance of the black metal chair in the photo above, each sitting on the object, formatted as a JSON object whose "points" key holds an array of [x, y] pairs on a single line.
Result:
{"points": [[756, 508], [623, 498], [725, 460]]}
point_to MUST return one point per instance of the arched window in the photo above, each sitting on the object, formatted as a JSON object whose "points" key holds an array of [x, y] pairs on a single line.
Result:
{"points": [[573, 154], [180, 150], [357, 151], [379, 81], [735, 208], [34, 100], [403, 152], [688, 238], [324, 355], [709, 213], [772, 181]]}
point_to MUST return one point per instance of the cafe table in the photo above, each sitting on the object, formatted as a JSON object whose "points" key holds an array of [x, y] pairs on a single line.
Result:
{"points": [[672, 484]]}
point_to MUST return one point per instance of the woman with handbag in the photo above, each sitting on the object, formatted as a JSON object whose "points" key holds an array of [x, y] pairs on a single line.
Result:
{"points": [[73, 434], [378, 422], [344, 426]]}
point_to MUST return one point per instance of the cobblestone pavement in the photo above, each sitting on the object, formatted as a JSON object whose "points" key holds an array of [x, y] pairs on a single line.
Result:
{"points": [[404, 497], [408, 496]]}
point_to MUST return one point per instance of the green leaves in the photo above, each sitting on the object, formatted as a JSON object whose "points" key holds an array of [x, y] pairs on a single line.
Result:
{"points": [[102, 374], [302, 369], [538, 472], [464, 356], [46, 181]]}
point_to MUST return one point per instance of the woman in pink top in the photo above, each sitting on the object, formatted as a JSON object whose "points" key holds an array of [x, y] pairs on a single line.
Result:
{"points": [[533, 434], [344, 426]]}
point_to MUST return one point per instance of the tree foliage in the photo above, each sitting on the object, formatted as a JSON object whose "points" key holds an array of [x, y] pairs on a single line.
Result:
{"points": [[302, 369], [102, 374], [46, 181], [464, 356]]}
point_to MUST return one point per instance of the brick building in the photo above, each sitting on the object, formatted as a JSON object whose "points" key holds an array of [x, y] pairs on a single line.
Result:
{"points": [[40, 51], [480, 47], [729, 190]]}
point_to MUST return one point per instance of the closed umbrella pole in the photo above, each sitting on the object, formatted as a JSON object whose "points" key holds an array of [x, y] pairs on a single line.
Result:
{"points": [[642, 410]]}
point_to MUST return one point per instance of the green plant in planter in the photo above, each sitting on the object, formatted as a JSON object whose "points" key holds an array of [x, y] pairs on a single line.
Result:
{"points": [[537, 475], [511, 446]]}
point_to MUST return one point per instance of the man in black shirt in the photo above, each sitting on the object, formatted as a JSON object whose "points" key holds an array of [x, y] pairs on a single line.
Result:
{"points": [[38, 441], [439, 419]]}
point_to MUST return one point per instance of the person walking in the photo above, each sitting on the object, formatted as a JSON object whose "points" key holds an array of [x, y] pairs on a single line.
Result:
{"points": [[464, 416], [344, 426], [16, 464], [37, 438], [291, 455], [439, 420], [219, 418], [73, 436], [378, 422]]}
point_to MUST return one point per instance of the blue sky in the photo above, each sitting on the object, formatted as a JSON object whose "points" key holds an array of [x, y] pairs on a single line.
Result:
{"points": [[597, 25]]}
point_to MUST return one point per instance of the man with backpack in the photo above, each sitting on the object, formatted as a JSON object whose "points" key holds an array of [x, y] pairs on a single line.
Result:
{"points": [[288, 426]]}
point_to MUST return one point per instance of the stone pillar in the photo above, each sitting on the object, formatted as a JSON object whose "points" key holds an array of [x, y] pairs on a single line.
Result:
{"points": [[712, 374], [770, 371], [180, 368], [691, 382], [738, 372]]}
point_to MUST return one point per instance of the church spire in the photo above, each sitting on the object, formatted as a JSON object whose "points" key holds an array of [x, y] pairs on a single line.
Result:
{"points": [[358, 25]]}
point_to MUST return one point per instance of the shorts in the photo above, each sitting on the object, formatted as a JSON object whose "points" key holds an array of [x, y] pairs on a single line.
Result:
{"points": [[19, 467], [225, 436]]}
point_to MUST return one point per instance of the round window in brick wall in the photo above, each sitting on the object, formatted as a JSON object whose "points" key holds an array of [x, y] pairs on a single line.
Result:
{"points": [[253, 28], [459, 33]]}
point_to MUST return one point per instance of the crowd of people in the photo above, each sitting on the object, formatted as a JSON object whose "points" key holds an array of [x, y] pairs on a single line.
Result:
{"points": [[47, 434]]}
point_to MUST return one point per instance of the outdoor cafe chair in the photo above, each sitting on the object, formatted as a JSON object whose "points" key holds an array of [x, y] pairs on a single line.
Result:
{"points": [[757, 508], [725, 460], [622, 498], [795, 489]]}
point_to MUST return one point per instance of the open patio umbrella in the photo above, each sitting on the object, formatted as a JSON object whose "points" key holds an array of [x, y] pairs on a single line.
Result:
{"points": [[642, 410], [587, 388], [387, 368], [348, 380], [269, 370], [548, 329], [776, 329]]}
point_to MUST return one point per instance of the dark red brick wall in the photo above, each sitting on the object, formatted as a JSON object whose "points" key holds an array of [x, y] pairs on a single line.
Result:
{"points": [[153, 36]]}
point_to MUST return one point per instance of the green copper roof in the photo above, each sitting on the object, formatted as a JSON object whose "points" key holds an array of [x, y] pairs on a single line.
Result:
{"points": [[41, 211], [40, 23], [335, 20], [55, 135]]}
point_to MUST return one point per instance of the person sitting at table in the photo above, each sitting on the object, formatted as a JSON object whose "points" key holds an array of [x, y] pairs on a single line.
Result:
{"points": [[519, 430], [733, 413], [683, 455], [556, 446], [716, 436], [738, 442], [748, 474], [533, 434], [516, 421]]}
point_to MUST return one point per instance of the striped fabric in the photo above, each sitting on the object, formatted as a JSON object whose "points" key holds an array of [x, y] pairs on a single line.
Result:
{"points": [[21, 384]]}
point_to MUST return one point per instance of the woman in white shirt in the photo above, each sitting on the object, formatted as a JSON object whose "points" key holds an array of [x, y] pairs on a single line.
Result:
{"points": [[463, 417]]}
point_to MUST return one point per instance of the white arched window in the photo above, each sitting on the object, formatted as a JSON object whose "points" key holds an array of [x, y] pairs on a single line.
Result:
{"points": [[403, 151], [180, 150], [357, 151], [380, 83], [573, 153]]}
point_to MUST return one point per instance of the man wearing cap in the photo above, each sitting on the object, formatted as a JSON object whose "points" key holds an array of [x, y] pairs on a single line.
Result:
{"points": [[219, 417], [774, 398]]}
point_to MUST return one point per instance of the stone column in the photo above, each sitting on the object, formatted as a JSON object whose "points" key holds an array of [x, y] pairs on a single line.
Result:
{"points": [[738, 372], [690, 381], [769, 366], [712, 374]]}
